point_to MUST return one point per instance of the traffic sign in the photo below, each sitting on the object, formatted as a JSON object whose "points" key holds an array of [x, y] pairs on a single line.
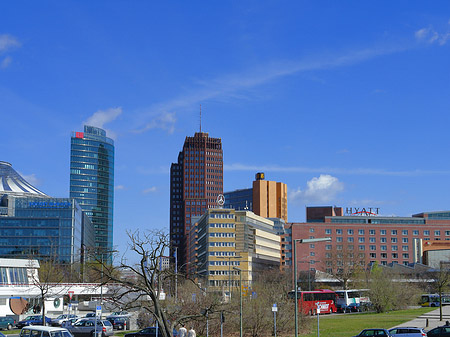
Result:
{"points": [[71, 292], [274, 307]]}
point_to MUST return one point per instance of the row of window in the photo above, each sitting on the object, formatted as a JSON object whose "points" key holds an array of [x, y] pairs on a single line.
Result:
{"points": [[371, 247], [404, 232], [222, 254], [221, 216], [221, 235], [221, 244], [371, 240], [224, 263], [221, 225]]}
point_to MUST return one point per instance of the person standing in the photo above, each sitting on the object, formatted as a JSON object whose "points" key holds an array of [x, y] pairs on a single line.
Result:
{"points": [[182, 332], [191, 333]]}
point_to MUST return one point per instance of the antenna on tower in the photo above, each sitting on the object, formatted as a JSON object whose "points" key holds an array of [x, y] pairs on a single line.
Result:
{"points": [[200, 118]]}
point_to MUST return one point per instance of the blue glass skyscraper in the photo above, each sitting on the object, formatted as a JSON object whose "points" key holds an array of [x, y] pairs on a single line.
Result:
{"points": [[92, 180]]}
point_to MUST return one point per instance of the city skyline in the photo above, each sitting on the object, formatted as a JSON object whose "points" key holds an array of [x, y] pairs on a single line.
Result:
{"points": [[345, 103]]}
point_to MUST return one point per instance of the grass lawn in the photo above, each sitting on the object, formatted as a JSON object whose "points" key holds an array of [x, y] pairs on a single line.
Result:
{"points": [[352, 324]]}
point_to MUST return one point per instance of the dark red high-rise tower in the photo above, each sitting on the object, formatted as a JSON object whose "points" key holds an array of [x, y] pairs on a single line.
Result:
{"points": [[195, 182]]}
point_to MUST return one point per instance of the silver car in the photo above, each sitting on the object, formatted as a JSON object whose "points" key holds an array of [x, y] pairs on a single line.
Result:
{"points": [[406, 331], [86, 328]]}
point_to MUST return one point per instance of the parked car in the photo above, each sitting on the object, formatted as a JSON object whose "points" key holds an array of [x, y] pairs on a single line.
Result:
{"points": [[118, 314], [440, 331], [44, 331], [7, 323], [90, 315], [119, 323], [404, 331], [354, 307], [86, 328], [374, 332], [61, 318], [33, 320], [149, 332], [342, 308]]}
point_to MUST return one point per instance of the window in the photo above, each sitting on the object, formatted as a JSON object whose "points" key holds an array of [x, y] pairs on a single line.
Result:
{"points": [[361, 231], [372, 240], [350, 231], [362, 247], [394, 248], [371, 231], [311, 230], [373, 255], [437, 233], [311, 245], [383, 255], [405, 255], [361, 240], [383, 247], [393, 232], [416, 232], [404, 232], [383, 240], [328, 255], [339, 247], [393, 240], [405, 248], [447, 233], [373, 247], [405, 240], [382, 232], [338, 231], [328, 247], [349, 239], [312, 254], [426, 233], [339, 239], [328, 231], [394, 255]]}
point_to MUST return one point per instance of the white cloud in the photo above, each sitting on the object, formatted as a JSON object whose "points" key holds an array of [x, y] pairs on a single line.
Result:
{"points": [[150, 190], [333, 170], [31, 178], [165, 121], [8, 42], [102, 117], [5, 62], [430, 35], [119, 187], [320, 189]]}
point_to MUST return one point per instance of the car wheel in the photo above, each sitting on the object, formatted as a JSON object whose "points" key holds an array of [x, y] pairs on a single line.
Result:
{"points": [[9, 327]]}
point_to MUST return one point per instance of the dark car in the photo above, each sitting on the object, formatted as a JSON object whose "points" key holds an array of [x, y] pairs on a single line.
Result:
{"points": [[354, 307], [86, 328], [440, 331], [7, 323], [58, 321], [148, 332], [33, 320], [374, 332], [119, 323], [90, 315]]}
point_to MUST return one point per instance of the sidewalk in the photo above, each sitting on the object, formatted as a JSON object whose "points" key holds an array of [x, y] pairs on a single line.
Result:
{"points": [[432, 317]]}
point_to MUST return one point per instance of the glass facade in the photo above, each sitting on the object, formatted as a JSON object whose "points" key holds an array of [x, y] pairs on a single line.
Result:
{"points": [[239, 199], [92, 180], [43, 228]]}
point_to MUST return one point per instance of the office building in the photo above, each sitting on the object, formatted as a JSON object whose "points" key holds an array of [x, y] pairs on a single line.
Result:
{"points": [[266, 198], [33, 224], [92, 180], [196, 180], [226, 238], [365, 236]]}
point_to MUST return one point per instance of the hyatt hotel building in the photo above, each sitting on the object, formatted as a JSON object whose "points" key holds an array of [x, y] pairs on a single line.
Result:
{"points": [[364, 235]]}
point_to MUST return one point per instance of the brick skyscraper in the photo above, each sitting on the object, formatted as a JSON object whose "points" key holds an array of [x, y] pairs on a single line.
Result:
{"points": [[195, 182]]}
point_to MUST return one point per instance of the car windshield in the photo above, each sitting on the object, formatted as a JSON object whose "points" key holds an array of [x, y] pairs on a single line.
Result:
{"points": [[61, 316]]}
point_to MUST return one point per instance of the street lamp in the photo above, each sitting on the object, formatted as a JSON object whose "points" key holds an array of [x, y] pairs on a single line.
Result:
{"points": [[295, 272], [229, 270], [240, 300]]}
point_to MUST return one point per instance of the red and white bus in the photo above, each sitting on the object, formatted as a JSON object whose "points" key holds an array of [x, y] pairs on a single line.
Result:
{"points": [[309, 301]]}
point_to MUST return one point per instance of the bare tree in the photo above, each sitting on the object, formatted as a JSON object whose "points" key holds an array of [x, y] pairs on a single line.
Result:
{"points": [[345, 263], [143, 283], [441, 280], [48, 279]]}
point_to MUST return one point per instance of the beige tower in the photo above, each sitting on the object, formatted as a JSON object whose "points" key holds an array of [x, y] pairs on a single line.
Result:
{"points": [[269, 198]]}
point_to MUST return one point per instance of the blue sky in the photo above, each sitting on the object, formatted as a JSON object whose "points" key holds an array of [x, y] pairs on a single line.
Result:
{"points": [[347, 102]]}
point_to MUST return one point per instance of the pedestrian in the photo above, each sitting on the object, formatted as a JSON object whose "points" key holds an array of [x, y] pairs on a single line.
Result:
{"points": [[182, 332], [191, 333]]}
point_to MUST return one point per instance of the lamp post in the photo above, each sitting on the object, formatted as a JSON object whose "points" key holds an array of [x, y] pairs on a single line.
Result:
{"points": [[229, 270], [240, 300], [294, 242]]}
